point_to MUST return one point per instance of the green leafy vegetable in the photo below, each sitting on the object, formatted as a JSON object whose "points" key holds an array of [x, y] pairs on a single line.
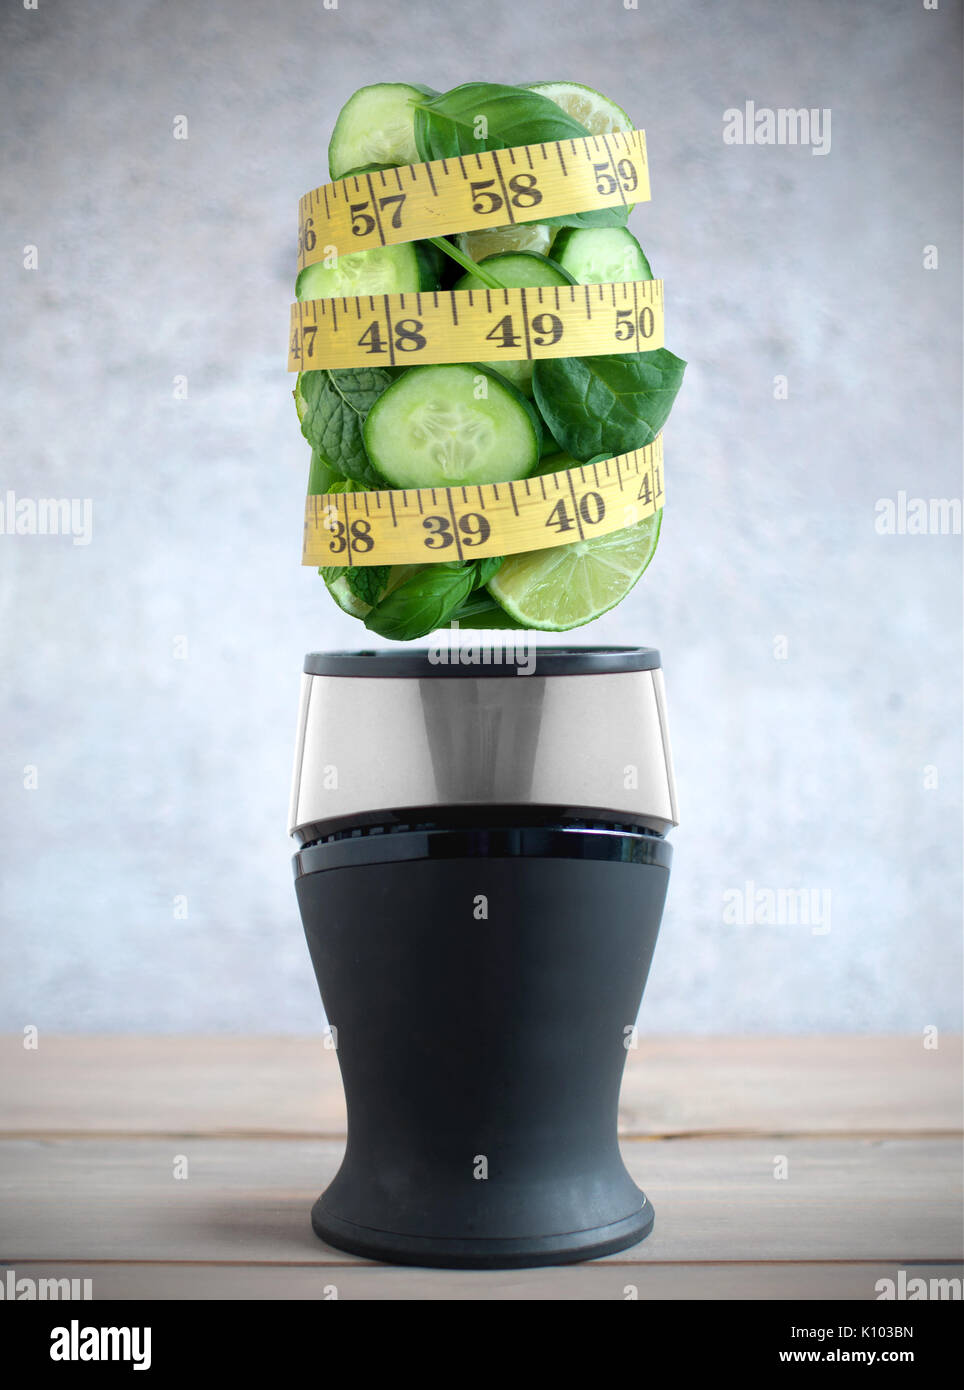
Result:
{"points": [[335, 404], [321, 476], [485, 613], [430, 598], [367, 582], [487, 568], [424, 602], [608, 404], [488, 116]]}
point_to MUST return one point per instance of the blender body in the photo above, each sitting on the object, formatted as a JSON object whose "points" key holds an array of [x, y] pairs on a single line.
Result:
{"points": [[481, 875]]}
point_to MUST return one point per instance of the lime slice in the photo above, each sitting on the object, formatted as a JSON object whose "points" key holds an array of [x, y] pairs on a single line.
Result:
{"points": [[568, 585], [597, 113], [489, 241]]}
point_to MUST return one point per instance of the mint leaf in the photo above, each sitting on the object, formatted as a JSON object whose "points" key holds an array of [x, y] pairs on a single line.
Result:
{"points": [[360, 387], [335, 404], [367, 582], [607, 404]]}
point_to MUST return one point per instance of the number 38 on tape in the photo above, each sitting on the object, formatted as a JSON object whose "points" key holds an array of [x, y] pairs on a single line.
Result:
{"points": [[421, 525]]}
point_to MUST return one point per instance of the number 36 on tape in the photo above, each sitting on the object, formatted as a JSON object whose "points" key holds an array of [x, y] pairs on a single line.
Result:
{"points": [[476, 325]]}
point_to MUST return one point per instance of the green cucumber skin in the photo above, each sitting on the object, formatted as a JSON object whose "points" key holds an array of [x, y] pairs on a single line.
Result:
{"points": [[513, 267], [339, 164], [550, 269], [411, 273], [565, 248], [478, 368]]}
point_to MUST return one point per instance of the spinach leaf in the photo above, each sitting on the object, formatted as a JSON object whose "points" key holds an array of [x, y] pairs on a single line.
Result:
{"points": [[335, 404], [446, 125], [491, 615], [367, 582], [423, 602], [608, 404]]}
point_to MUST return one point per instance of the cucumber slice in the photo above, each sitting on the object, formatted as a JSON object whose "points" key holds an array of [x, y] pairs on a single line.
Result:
{"points": [[337, 585], [518, 269], [430, 429], [376, 126], [600, 255], [382, 270]]}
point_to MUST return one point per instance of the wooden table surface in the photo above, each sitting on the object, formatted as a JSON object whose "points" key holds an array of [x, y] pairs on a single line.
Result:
{"points": [[94, 1132]]}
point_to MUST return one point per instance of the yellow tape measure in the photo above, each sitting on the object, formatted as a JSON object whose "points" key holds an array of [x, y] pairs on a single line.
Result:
{"points": [[421, 525], [410, 329], [494, 188]]}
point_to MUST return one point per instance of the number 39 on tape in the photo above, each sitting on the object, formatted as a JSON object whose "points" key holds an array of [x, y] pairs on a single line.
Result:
{"points": [[422, 525]]}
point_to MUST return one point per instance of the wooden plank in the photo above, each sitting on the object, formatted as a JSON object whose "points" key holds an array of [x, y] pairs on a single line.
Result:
{"points": [[596, 1281], [795, 1085], [291, 1086], [888, 1201]]}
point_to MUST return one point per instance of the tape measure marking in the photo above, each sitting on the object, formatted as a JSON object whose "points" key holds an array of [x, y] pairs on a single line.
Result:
{"points": [[444, 326], [445, 196], [426, 525]]}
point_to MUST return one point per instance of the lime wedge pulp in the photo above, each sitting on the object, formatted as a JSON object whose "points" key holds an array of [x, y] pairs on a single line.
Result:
{"points": [[490, 241], [569, 585], [597, 113]]}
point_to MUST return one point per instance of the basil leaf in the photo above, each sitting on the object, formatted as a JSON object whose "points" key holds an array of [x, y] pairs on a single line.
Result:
{"points": [[446, 126], [607, 404], [423, 602], [485, 569], [367, 582], [335, 404]]}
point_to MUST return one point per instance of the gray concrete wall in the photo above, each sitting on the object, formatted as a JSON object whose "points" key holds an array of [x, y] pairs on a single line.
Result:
{"points": [[828, 760]]}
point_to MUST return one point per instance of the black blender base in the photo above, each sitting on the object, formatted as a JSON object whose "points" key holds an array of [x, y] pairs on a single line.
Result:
{"points": [[503, 1253]]}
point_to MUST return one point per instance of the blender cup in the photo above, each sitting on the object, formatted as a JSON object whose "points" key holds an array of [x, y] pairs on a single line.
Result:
{"points": [[481, 874]]}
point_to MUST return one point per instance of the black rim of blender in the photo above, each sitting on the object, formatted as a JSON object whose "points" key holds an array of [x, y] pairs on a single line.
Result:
{"points": [[426, 663]]}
